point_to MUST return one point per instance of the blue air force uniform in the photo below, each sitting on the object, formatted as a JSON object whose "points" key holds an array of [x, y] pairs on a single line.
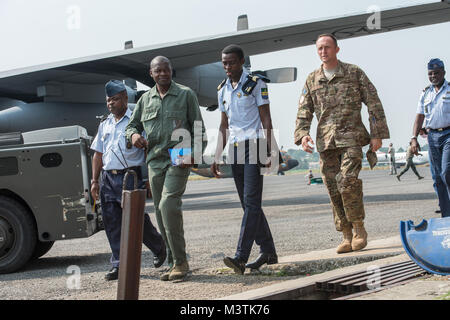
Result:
{"points": [[242, 110], [435, 106], [110, 142]]}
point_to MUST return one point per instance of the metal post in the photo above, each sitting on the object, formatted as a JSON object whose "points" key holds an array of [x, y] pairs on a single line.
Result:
{"points": [[133, 204]]}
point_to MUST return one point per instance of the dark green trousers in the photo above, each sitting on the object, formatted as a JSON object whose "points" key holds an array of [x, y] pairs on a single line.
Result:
{"points": [[409, 164], [168, 186]]}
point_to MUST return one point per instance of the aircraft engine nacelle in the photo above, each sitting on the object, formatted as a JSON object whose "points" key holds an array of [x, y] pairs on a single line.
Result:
{"points": [[6, 103], [42, 115], [203, 79]]}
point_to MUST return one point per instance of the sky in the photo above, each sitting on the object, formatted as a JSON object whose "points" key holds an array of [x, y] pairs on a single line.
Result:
{"points": [[38, 32]]}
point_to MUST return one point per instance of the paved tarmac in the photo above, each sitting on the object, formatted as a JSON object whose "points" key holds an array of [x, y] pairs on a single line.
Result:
{"points": [[299, 216]]}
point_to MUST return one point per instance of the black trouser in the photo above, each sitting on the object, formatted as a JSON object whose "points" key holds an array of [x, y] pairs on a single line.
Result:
{"points": [[111, 196], [249, 184]]}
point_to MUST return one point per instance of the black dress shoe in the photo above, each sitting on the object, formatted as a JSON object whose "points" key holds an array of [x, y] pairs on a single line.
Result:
{"points": [[113, 274], [159, 259], [235, 263], [269, 258]]}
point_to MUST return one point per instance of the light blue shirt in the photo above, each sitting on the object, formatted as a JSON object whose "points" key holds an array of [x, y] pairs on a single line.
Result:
{"points": [[435, 106], [242, 110], [110, 141]]}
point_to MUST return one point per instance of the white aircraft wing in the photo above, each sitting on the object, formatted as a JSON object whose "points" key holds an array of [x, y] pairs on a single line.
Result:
{"points": [[133, 63]]}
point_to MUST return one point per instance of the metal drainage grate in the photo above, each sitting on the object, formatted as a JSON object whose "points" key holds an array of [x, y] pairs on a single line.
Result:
{"points": [[352, 284], [360, 281]]}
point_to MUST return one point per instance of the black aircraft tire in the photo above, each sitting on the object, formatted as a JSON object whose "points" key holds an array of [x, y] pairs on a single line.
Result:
{"points": [[42, 247], [17, 235]]}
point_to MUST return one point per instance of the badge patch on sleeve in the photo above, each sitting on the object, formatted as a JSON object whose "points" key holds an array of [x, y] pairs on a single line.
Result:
{"points": [[264, 93], [302, 98]]}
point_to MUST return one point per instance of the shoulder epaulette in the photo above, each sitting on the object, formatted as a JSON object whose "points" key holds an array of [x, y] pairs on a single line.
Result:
{"points": [[250, 84], [252, 80], [221, 84], [426, 88], [261, 75], [102, 118]]}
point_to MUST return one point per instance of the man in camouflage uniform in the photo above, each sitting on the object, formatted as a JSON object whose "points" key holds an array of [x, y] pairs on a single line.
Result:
{"points": [[334, 92]]}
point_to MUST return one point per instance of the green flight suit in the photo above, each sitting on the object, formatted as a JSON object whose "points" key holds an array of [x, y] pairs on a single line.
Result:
{"points": [[160, 119]]}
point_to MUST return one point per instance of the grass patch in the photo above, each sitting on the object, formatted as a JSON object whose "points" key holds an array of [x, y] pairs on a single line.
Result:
{"points": [[444, 297]]}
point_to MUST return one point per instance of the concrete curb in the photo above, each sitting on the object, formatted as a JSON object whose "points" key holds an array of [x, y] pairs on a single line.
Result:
{"points": [[321, 261]]}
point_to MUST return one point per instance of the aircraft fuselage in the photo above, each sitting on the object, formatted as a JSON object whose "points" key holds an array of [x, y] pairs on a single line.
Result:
{"points": [[58, 110]]}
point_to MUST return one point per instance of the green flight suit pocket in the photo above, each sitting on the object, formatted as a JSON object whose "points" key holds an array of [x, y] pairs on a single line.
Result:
{"points": [[149, 115], [174, 114], [175, 119], [151, 125], [178, 172]]}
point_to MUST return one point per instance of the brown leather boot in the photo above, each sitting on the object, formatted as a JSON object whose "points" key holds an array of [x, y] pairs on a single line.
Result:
{"points": [[346, 244], [360, 237], [179, 271]]}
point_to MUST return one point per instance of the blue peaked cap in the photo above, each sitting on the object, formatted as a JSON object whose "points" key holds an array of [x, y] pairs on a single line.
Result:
{"points": [[435, 64], [113, 87]]}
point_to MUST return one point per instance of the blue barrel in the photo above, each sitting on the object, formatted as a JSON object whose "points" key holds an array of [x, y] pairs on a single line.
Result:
{"points": [[428, 244]]}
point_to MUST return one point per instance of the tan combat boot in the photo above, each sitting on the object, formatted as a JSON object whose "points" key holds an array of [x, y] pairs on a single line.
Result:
{"points": [[179, 271], [165, 275], [360, 238], [346, 244]]}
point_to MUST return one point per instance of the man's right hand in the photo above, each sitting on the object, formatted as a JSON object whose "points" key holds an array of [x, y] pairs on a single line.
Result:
{"points": [[415, 147], [95, 188], [139, 141], [215, 170], [305, 144]]}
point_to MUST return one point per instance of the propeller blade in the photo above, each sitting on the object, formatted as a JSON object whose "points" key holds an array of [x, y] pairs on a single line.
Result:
{"points": [[279, 75], [242, 24]]}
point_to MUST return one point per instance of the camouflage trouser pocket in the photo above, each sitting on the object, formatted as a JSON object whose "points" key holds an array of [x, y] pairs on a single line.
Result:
{"points": [[340, 169], [351, 162], [347, 178], [350, 186]]}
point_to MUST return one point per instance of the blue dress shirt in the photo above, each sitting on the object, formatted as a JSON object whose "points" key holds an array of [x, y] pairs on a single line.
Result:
{"points": [[110, 141]]}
